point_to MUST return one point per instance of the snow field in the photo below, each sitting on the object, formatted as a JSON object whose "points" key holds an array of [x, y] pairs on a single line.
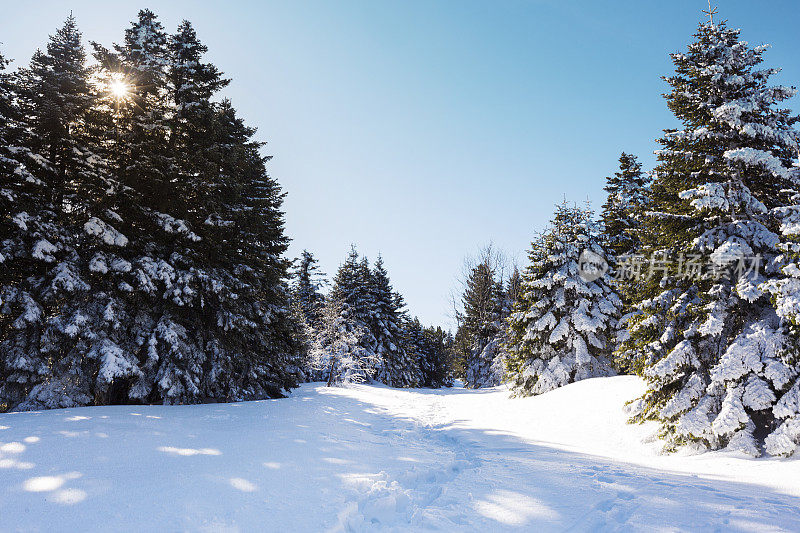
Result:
{"points": [[372, 458]]}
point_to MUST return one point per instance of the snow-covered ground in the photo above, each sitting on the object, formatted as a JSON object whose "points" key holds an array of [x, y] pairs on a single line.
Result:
{"points": [[372, 458]]}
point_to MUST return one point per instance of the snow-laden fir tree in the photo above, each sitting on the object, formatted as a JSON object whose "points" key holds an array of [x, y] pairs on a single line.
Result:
{"points": [[785, 290], [621, 219], [513, 289], [373, 313], [214, 314], [433, 348], [482, 324], [563, 323], [349, 304], [246, 286], [625, 206], [49, 348], [414, 346], [351, 287], [152, 349], [145, 336], [339, 355], [397, 368], [497, 349], [307, 304], [718, 365], [307, 283], [27, 217]]}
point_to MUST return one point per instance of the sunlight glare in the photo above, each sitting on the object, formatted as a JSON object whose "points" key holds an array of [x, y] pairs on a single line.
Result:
{"points": [[118, 88]]}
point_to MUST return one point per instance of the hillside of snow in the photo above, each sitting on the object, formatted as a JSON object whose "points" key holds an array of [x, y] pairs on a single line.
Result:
{"points": [[371, 458]]}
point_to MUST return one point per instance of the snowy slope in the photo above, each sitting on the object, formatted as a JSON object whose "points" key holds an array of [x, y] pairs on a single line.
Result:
{"points": [[372, 458]]}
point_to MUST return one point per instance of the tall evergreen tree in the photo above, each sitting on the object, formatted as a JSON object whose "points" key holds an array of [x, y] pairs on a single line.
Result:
{"points": [[513, 290], [482, 323], [414, 346], [624, 208], [562, 327], [307, 283], [398, 368], [622, 219], [350, 290], [52, 355], [247, 286], [307, 306], [712, 344], [27, 218], [434, 350], [58, 98], [339, 354]]}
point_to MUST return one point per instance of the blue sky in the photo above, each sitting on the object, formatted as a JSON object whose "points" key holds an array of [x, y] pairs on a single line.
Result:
{"points": [[423, 130]]}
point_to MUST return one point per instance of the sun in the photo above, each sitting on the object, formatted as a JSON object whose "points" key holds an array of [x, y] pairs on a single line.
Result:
{"points": [[118, 89]]}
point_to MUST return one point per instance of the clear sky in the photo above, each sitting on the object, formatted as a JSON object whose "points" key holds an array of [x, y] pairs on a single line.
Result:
{"points": [[422, 130]]}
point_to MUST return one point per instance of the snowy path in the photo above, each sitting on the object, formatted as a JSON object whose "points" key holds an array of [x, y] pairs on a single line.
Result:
{"points": [[372, 458]]}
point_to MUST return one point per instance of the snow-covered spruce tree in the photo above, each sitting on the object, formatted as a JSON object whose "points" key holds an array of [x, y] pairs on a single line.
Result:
{"points": [[351, 286], [138, 276], [621, 221], [307, 283], [232, 276], [413, 345], [339, 354], [27, 217], [785, 290], [625, 206], [562, 326], [513, 289], [496, 351], [234, 208], [397, 368], [212, 317], [52, 356], [246, 285], [157, 282], [307, 303], [432, 347], [715, 354], [482, 324]]}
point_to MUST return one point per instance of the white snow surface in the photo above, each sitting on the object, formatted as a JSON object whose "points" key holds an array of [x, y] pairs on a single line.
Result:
{"points": [[372, 458]]}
